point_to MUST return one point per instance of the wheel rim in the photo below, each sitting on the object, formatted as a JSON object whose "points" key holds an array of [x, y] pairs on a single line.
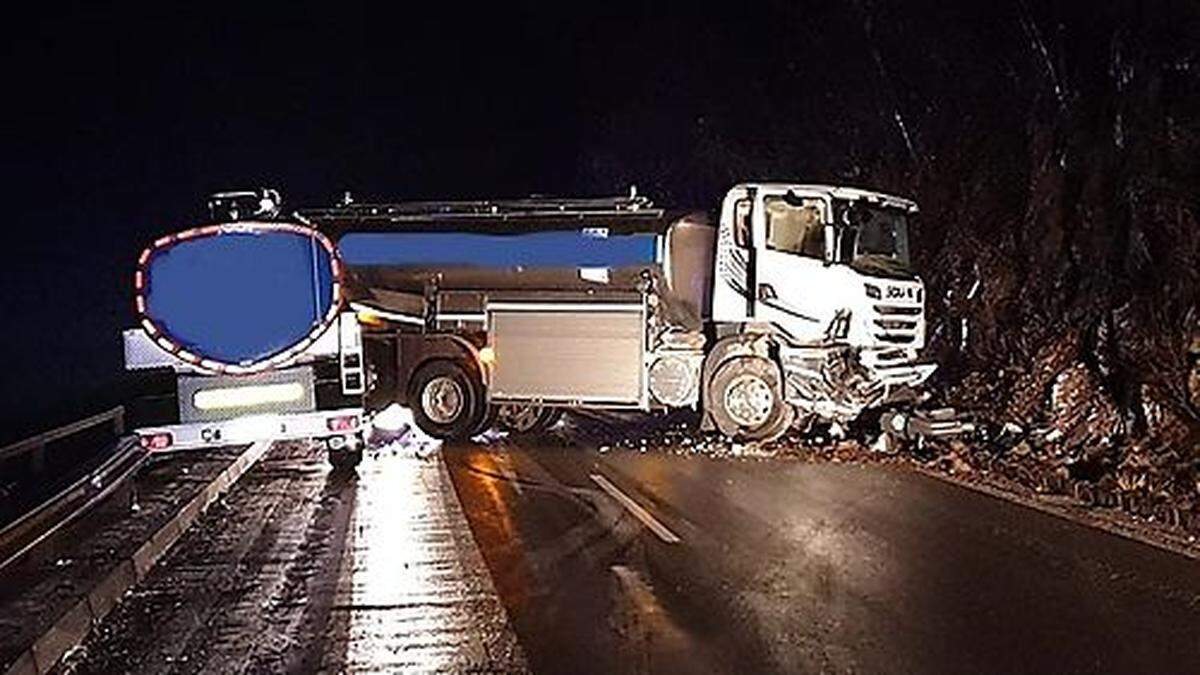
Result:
{"points": [[519, 417], [442, 400], [749, 400]]}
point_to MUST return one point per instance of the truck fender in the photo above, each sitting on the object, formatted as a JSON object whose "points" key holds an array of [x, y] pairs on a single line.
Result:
{"points": [[733, 346], [414, 350]]}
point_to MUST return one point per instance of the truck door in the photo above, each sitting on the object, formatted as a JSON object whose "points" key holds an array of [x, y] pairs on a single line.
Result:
{"points": [[732, 297], [792, 283]]}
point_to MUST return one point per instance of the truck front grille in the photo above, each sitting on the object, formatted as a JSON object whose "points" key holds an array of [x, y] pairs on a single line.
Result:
{"points": [[898, 310], [896, 324]]}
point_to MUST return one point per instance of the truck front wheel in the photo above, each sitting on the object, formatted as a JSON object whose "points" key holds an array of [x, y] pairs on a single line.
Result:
{"points": [[745, 400], [447, 400]]}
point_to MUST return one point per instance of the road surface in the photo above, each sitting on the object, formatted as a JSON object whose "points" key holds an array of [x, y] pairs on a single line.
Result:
{"points": [[547, 555], [632, 562]]}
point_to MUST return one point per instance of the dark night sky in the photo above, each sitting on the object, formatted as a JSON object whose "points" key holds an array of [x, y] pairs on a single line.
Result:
{"points": [[119, 120]]}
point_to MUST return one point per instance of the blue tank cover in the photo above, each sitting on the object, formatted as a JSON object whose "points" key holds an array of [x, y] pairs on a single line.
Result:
{"points": [[239, 298], [558, 248]]}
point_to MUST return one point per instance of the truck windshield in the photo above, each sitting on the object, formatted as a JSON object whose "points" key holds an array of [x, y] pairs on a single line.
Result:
{"points": [[876, 240]]}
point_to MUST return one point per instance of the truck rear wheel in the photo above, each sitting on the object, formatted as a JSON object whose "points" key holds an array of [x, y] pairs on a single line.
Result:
{"points": [[345, 452], [345, 459], [746, 402], [447, 400], [526, 419]]}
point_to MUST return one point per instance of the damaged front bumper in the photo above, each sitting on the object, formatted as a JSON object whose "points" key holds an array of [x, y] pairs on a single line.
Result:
{"points": [[838, 383]]}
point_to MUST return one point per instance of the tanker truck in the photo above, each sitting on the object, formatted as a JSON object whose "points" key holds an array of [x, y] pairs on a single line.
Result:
{"points": [[798, 304]]}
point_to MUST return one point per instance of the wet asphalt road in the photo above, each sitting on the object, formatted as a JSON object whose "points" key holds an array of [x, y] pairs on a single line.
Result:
{"points": [[300, 569], [757, 566], [548, 555]]}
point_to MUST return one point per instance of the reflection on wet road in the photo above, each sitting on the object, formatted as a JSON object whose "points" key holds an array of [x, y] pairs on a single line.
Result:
{"points": [[414, 590], [304, 570]]}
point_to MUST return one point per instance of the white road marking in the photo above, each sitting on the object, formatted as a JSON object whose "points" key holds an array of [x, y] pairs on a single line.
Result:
{"points": [[636, 509]]}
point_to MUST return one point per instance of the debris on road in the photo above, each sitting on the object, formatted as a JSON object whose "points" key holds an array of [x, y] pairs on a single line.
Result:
{"points": [[1077, 449], [393, 431]]}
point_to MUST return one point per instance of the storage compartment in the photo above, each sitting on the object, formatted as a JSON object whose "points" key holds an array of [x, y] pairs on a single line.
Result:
{"points": [[585, 353]]}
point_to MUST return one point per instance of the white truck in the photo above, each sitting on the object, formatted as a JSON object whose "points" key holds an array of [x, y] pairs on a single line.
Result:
{"points": [[798, 305]]}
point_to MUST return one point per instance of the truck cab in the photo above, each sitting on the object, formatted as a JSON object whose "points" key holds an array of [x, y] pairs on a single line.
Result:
{"points": [[826, 271]]}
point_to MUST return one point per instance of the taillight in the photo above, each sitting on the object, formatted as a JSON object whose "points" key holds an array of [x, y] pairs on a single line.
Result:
{"points": [[343, 423], [159, 441]]}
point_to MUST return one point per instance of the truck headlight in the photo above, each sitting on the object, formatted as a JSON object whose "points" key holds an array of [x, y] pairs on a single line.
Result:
{"points": [[673, 380]]}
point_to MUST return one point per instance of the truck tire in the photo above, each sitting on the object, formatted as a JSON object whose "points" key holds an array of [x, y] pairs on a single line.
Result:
{"points": [[344, 460], [348, 455], [527, 419], [447, 400], [745, 400], [487, 421]]}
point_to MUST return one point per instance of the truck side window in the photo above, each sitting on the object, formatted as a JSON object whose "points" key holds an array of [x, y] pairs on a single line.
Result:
{"points": [[796, 227], [741, 223]]}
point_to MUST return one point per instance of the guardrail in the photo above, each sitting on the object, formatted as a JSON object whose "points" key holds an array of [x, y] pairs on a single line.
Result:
{"points": [[25, 533], [35, 447]]}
